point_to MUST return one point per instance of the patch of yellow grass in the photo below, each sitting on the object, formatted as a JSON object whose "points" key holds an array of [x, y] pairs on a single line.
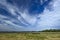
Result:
{"points": [[30, 36]]}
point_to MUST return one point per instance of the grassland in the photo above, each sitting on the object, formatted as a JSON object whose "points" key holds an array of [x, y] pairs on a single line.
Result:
{"points": [[30, 36]]}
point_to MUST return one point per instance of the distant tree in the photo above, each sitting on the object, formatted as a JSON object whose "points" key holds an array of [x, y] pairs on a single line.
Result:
{"points": [[52, 30]]}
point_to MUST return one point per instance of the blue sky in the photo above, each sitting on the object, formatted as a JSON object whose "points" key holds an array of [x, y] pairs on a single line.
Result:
{"points": [[29, 15]]}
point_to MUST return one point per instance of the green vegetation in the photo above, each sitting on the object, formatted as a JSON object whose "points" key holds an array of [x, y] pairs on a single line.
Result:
{"points": [[30, 36], [51, 30], [51, 34]]}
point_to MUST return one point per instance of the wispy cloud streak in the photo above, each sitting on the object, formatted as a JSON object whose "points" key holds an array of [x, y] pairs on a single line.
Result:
{"points": [[19, 18]]}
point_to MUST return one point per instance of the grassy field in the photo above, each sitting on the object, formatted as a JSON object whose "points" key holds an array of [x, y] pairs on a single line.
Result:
{"points": [[30, 36]]}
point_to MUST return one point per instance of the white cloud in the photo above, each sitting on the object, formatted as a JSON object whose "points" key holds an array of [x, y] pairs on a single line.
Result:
{"points": [[48, 19]]}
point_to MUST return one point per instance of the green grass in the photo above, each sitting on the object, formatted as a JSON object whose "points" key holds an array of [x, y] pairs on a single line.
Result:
{"points": [[30, 36]]}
